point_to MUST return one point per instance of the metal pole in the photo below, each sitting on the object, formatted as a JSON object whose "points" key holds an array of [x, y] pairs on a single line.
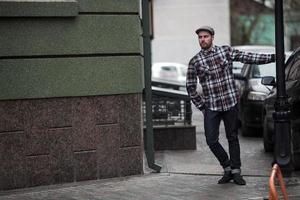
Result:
{"points": [[149, 144], [282, 108]]}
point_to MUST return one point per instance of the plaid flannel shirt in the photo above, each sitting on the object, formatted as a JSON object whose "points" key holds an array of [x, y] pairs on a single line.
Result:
{"points": [[213, 69]]}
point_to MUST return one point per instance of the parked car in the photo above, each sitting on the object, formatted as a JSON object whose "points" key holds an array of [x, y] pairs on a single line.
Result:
{"points": [[169, 72], [292, 80], [237, 66], [252, 92], [252, 96]]}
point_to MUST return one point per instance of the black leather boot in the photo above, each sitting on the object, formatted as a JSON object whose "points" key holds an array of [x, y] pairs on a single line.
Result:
{"points": [[238, 179], [226, 177]]}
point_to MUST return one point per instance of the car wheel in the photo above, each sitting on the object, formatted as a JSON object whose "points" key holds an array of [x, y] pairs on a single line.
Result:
{"points": [[295, 148], [268, 144]]}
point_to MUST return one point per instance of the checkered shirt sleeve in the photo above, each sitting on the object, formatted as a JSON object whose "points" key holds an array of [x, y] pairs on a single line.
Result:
{"points": [[213, 70]]}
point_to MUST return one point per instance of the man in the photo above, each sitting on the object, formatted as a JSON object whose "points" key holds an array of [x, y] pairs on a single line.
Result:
{"points": [[212, 66]]}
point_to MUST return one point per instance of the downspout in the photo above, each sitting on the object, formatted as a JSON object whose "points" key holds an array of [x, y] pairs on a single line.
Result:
{"points": [[149, 144]]}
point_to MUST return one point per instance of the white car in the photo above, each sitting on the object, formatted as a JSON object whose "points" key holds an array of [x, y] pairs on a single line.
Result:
{"points": [[173, 73], [237, 66]]}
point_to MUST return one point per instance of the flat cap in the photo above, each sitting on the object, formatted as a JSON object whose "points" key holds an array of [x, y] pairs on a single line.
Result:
{"points": [[206, 28]]}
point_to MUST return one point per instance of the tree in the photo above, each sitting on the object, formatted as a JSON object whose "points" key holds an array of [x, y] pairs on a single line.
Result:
{"points": [[245, 18], [252, 22]]}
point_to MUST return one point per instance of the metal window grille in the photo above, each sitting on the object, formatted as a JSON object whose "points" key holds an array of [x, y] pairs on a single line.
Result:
{"points": [[170, 107]]}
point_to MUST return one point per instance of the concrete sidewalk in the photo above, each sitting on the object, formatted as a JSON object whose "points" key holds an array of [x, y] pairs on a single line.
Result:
{"points": [[163, 186], [159, 186], [190, 175]]}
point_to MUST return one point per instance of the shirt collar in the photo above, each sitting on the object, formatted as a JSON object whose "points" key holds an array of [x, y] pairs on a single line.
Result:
{"points": [[206, 52]]}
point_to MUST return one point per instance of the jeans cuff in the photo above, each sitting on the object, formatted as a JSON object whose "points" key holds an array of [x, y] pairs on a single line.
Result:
{"points": [[227, 169], [236, 171]]}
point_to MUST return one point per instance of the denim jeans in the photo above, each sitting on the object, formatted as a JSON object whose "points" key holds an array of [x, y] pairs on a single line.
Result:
{"points": [[212, 120]]}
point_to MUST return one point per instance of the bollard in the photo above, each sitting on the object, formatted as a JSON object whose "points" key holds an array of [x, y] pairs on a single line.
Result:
{"points": [[276, 174]]}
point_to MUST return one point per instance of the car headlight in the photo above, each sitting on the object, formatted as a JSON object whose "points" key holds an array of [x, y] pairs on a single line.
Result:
{"points": [[256, 96]]}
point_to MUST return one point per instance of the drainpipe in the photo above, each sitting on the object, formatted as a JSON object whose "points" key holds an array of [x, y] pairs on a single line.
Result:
{"points": [[281, 116], [149, 144]]}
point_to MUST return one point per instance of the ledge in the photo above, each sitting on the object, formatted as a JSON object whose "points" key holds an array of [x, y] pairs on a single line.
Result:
{"points": [[39, 8], [174, 137]]}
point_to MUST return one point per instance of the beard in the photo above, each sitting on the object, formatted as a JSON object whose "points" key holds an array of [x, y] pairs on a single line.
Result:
{"points": [[206, 45]]}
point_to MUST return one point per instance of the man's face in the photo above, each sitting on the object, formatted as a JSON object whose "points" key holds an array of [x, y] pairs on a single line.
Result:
{"points": [[205, 39]]}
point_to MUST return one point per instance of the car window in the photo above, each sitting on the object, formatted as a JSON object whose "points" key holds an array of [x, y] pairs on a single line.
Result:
{"points": [[168, 68], [237, 67], [245, 70], [259, 71], [168, 72], [183, 70]]}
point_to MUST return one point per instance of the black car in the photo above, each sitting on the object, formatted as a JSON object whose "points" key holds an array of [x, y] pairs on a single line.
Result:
{"points": [[252, 96], [253, 93], [292, 80]]}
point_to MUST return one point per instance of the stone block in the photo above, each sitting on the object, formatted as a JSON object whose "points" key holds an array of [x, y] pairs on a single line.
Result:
{"points": [[12, 116], [37, 142], [108, 151], [107, 110], [174, 138], [83, 123], [130, 121], [85, 165], [61, 154], [38, 170], [131, 161], [13, 167], [59, 112]]}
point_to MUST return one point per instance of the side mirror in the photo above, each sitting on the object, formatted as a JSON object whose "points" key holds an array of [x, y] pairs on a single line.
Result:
{"points": [[268, 80], [239, 76]]}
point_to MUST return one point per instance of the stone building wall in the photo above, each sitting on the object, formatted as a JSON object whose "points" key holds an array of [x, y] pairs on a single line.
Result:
{"points": [[71, 82], [48, 141]]}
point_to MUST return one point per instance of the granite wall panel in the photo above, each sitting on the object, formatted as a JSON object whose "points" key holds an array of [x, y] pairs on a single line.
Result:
{"points": [[12, 116], [37, 142], [35, 114], [85, 165], [59, 113], [131, 161], [48, 141], [107, 110], [38, 170], [108, 154], [13, 166], [130, 121], [83, 124], [61, 154]]}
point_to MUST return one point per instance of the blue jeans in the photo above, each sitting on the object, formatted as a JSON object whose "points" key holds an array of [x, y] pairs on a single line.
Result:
{"points": [[212, 120]]}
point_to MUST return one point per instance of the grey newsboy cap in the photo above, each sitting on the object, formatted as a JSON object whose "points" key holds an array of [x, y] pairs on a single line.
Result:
{"points": [[206, 28]]}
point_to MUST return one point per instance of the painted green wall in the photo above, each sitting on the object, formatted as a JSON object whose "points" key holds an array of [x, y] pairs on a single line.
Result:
{"points": [[109, 6], [97, 52], [64, 8], [27, 78], [35, 8], [85, 34]]}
